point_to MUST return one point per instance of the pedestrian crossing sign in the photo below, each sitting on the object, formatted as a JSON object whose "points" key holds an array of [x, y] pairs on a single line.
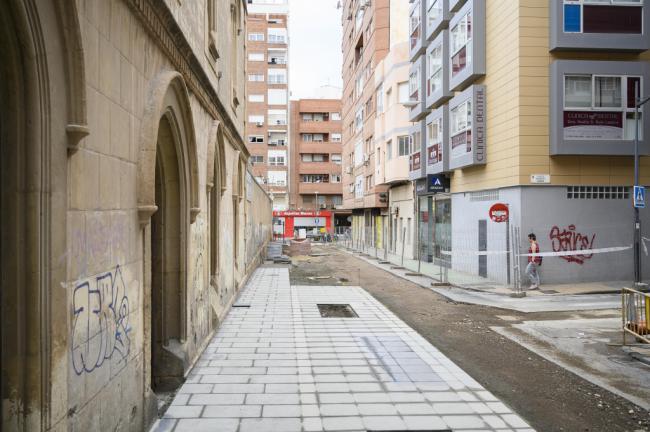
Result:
{"points": [[639, 196]]}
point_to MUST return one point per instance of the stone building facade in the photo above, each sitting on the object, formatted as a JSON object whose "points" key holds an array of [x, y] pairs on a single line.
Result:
{"points": [[129, 218]]}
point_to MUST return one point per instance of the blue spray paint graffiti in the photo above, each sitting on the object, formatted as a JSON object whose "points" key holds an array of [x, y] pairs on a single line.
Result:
{"points": [[100, 324]]}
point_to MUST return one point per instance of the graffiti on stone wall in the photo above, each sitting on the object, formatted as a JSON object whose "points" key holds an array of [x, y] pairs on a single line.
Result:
{"points": [[100, 322], [569, 240]]}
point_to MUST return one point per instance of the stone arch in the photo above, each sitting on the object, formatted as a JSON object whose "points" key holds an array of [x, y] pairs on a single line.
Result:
{"points": [[42, 117], [217, 183], [168, 95]]}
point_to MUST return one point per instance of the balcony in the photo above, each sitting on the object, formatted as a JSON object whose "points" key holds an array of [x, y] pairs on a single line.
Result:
{"points": [[417, 29], [320, 147], [318, 168], [324, 127], [466, 60], [320, 188]]}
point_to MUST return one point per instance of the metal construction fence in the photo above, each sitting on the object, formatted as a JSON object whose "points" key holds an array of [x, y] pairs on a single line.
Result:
{"points": [[636, 314], [493, 256]]}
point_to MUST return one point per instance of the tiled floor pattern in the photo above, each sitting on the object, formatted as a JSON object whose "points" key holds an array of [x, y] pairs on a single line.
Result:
{"points": [[278, 366]]}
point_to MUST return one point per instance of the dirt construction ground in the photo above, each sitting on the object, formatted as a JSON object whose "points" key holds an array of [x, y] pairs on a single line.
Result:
{"points": [[549, 397]]}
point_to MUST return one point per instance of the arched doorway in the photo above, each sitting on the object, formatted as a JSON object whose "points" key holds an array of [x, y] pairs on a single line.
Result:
{"points": [[168, 202], [167, 264]]}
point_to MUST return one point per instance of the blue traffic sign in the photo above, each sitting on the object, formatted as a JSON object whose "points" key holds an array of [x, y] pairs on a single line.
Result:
{"points": [[639, 196]]}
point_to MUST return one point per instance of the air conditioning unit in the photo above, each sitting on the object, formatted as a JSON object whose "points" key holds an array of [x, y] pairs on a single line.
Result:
{"points": [[383, 197], [348, 170], [366, 159], [323, 206], [259, 124]]}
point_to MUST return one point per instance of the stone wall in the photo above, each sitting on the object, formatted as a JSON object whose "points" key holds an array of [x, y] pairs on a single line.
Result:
{"points": [[157, 136]]}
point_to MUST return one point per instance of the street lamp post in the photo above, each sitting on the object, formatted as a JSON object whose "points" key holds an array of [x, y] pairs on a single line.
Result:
{"points": [[638, 102]]}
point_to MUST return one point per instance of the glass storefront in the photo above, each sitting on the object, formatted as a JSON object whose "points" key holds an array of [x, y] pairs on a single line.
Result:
{"points": [[434, 226]]}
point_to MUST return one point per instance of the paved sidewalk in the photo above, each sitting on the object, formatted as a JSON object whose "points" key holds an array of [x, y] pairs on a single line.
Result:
{"points": [[533, 302], [277, 365]]}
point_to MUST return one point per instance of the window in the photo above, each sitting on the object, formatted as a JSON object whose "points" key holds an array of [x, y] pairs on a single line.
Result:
{"points": [[337, 200], [414, 26], [434, 141], [335, 178], [277, 178], [358, 187], [277, 138], [461, 47], [255, 139], [335, 137], [307, 117], [318, 137], [414, 85], [318, 157], [403, 91], [277, 97], [434, 80], [277, 35], [389, 98], [461, 129], [434, 10], [600, 106], [336, 158], [255, 98], [212, 29], [603, 16], [358, 120], [335, 116], [368, 145], [598, 192], [256, 56], [256, 77], [369, 182], [277, 117], [255, 159], [319, 117], [358, 153], [314, 178], [380, 99], [256, 37], [358, 19], [256, 119], [277, 76], [277, 157], [403, 145], [389, 150], [307, 137]]}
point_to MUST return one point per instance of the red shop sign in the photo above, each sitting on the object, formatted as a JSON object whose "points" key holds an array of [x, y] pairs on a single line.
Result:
{"points": [[499, 212]]}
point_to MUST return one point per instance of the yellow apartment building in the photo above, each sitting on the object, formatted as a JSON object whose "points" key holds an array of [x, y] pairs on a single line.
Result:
{"points": [[528, 103]]}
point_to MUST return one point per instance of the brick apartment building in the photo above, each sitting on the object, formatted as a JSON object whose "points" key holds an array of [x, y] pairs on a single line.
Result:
{"points": [[366, 35], [267, 93], [316, 157]]}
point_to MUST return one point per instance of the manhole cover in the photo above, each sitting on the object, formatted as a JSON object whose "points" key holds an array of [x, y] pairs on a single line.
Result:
{"points": [[241, 305], [337, 311]]}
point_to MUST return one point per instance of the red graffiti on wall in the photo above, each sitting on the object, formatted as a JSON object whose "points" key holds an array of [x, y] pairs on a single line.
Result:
{"points": [[569, 240]]}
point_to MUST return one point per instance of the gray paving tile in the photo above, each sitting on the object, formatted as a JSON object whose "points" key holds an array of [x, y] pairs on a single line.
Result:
{"points": [[179, 411], [232, 411], [384, 423], [273, 399], [342, 423], [281, 411], [207, 425], [271, 425]]}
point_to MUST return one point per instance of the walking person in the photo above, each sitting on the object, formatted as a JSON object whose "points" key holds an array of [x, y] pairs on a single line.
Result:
{"points": [[534, 262]]}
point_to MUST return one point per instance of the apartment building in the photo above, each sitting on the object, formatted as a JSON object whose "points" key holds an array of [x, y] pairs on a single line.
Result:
{"points": [[397, 227], [316, 158], [366, 39], [267, 111], [528, 104]]}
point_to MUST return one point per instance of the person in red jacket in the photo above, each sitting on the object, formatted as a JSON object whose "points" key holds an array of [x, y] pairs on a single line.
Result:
{"points": [[534, 261]]}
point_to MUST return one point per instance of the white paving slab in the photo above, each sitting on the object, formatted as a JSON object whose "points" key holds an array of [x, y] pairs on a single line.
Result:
{"points": [[277, 365]]}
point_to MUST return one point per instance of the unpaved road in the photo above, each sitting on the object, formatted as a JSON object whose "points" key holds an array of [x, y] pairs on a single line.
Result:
{"points": [[546, 395]]}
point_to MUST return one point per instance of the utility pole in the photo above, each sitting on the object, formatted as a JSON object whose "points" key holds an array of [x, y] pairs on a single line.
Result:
{"points": [[637, 222]]}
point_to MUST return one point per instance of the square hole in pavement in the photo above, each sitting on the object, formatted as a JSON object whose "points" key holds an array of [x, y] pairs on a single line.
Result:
{"points": [[336, 311]]}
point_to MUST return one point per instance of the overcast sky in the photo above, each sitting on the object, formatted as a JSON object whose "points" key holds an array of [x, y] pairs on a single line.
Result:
{"points": [[315, 46]]}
